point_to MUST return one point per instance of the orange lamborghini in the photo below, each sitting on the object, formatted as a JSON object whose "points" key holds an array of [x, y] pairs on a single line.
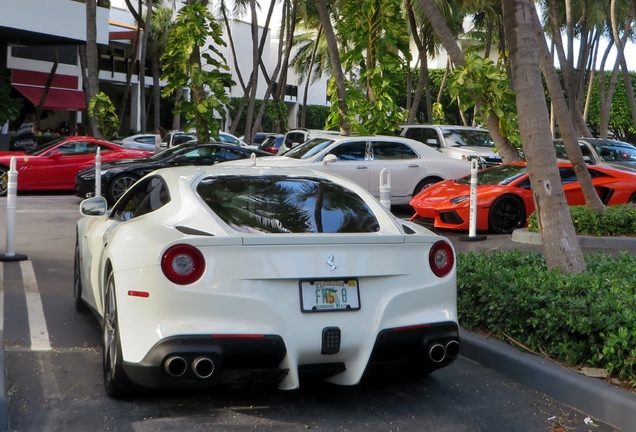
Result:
{"points": [[504, 198]]}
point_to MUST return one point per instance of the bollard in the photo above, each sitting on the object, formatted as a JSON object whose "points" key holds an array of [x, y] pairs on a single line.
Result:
{"points": [[385, 188], [12, 193], [472, 222], [98, 173]]}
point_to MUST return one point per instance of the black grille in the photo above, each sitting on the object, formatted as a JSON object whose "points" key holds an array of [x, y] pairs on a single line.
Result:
{"points": [[330, 340]]}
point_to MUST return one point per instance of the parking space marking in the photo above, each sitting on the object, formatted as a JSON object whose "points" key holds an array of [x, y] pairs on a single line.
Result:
{"points": [[37, 322]]}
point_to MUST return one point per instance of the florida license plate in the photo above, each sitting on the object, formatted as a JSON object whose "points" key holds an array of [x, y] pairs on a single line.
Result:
{"points": [[329, 295]]}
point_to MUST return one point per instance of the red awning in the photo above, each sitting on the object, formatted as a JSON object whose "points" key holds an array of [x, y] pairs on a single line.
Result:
{"points": [[56, 99]]}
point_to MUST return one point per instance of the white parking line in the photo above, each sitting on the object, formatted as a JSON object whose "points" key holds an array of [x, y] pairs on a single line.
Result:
{"points": [[37, 321]]}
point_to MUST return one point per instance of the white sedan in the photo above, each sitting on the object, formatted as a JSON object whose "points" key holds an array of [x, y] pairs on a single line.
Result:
{"points": [[208, 275], [411, 165]]}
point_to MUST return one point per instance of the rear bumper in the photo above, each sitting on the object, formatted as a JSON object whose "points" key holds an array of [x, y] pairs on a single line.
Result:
{"points": [[237, 359]]}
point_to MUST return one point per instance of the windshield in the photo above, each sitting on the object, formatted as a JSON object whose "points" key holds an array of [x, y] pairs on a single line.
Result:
{"points": [[309, 148], [268, 142], [278, 204], [500, 175], [615, 151], [467, 138], [169, 152], [42, 148]]}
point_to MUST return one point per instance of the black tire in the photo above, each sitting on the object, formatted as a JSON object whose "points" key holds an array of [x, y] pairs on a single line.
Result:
{"points": [[116, 382], [506, 214], [632, 200], [426, 183], [4, 180], [119, 185], [80, 305]]}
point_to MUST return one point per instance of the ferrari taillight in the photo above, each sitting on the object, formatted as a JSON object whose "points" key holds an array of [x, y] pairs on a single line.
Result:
{"points": [[441, 258], [183, 264]]}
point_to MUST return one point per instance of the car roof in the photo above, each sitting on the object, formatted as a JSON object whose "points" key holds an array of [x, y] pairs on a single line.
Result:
{"points": [[444, 126]]}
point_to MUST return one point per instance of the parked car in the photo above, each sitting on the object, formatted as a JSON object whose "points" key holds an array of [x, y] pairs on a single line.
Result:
{"points": [[119, 176], [258, 138], [52, 166], [603, 152], [272, 143], [174, 138], [459, 142], [504, 197], [141, 142], [200, 275], [412, 165], [299, 136]]}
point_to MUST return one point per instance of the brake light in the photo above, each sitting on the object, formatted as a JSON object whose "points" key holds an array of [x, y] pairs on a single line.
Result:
{"points": [[183, 264], [441, 258]]}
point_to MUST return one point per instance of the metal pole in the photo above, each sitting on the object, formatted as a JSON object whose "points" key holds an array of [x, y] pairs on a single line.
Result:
{"points": [[472, 221], [12, 193], [385, 188], [98, 173]]}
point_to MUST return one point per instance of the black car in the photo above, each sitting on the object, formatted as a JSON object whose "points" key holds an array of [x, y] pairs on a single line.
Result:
{"points": [[118, 176]]}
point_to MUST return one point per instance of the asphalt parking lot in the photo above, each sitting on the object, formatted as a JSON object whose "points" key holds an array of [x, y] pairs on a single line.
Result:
{"points": [[58, 386]]}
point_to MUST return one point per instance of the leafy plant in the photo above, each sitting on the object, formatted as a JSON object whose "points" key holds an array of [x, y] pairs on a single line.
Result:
{"points": [[182, 68], [618, 220], [583, 319], [103, 111], [9, 107]]}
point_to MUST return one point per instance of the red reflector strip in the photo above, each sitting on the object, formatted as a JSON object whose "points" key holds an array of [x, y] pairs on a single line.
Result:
{"points": [[144, 294], [411, 327], [238, 336]]}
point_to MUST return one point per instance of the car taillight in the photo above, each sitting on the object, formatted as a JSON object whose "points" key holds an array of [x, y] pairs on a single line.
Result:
{"points": [[183, 264], [441, 258], [271, 149]]}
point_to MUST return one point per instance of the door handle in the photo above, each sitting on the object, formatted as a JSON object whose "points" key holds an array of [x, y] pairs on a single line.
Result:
{"points": [[414, 166], [361, 167]]}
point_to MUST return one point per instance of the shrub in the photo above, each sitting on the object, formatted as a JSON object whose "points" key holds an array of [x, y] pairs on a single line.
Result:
{"points": [[582, 319], [618, 220]]}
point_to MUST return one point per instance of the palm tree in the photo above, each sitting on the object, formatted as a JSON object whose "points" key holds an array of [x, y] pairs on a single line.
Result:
{"points": [[560, 245], [158, 34], [90, 57]]}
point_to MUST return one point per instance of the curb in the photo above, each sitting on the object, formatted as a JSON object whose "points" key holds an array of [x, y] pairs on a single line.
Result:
{"points": [[522, 235], [606, 402]]}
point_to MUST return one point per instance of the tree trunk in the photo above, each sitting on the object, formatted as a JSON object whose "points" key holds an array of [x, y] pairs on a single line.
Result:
{"points": [[564, 119], [142, 67], [620, 48], [303, 111], [334, 56], [156, 86], [507, 151], [560, 244], [92, 66]]}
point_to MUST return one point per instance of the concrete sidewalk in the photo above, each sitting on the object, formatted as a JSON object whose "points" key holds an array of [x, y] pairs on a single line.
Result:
{"points": [[608, 403]]}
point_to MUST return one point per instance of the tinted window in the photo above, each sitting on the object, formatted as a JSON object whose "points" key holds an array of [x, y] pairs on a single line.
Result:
{"points": [[467, 137], [384, 150], [427, 136], [309, 149], [499, 175], [351, 151], [145, 196], [278, 204]]}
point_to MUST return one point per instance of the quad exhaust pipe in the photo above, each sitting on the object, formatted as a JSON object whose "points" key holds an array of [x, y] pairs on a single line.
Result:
{"points": [[438, 352], [176, 367]]}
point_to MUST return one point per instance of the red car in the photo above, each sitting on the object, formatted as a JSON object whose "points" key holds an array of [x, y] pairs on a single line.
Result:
{"points": [[52, 166], [504, 197]]}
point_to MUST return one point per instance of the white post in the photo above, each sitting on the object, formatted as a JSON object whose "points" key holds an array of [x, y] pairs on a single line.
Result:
{"points": [[98, 173], [472, 227], [12, 193], [385, 188], [472, 221]]}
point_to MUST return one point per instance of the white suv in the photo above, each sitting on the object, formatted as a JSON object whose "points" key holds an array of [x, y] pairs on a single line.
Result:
{"points": [[459, 142]]}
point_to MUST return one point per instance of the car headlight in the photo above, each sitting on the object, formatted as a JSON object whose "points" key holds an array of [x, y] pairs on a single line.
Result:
{"points": [[102, 172], [459, 199]]}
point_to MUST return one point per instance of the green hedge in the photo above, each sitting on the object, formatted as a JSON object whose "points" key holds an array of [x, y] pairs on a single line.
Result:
{"points": [[619, 220], [582, 319]]}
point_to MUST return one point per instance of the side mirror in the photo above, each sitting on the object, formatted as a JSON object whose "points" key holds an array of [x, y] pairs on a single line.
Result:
{"points": [[95, 206], [432, 142], [329, 159], [56, 154]]}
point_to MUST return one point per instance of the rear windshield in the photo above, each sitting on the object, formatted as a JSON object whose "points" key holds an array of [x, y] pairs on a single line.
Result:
{"points": [[279, 204]]}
